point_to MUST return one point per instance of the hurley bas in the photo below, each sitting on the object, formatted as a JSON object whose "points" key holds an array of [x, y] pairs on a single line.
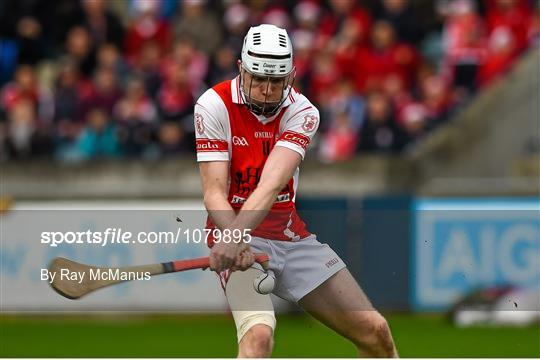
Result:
{"points": [[91, 274]]}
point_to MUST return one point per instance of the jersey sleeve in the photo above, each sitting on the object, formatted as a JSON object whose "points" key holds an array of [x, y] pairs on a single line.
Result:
{"points": [[210, 133], [298, 130]]}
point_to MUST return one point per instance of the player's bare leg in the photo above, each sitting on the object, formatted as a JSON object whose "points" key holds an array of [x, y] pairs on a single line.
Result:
{"points": [[341, 304], [253, 314]]}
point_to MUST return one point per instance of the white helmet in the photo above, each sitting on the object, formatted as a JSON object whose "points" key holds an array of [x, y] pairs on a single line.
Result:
{"points": [[267, 53]]}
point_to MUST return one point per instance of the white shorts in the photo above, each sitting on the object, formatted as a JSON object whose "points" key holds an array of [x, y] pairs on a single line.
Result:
{"points": [[299, 266]]}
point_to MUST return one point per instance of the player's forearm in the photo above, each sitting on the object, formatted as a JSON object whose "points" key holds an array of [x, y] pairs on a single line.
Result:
{"points": [[220, 209], [255, 208]]}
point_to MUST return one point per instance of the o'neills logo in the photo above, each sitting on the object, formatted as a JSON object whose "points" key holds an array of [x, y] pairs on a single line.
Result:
{"points": [[295, 138], [332, 262], [211, 145], [263, 135]]}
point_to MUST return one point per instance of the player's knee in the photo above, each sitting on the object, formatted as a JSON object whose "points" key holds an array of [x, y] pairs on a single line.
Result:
{"points": [[257, 342], [374, 336], [384, 338]]}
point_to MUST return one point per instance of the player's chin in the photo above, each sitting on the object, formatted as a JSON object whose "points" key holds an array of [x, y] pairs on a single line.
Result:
{"points": [[268, 104]]}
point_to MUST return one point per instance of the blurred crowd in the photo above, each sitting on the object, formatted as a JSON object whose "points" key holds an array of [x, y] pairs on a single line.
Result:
{"points": [[117, 79]]}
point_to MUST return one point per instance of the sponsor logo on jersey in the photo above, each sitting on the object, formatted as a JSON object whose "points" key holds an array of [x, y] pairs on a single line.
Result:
{"points": [[295, 138], [199, 123], [332, 262], [310, 123], [263, 135], [283, 198], [211, 145], [240, 141], [238, 200], [279, 199]]}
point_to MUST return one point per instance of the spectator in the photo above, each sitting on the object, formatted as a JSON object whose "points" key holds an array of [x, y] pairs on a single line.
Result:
{"points": [[70, 89], [224, 65], [501, 54], [345, 113], [174, 99], [277, 16], [402, 16], [108, 56], [27, 23], [512, 16], [24, 87], [341, 10], [339, 142], [464, 35], [379, 132], [105, 91], [136, 119], [236, 20], [79, 49], [257, 10], [166, 8], [199, 24], [147, 66], [135, 105], [303, 58], [194, 61], [344, 100], [102, 25], [306, 14], [25, 138], [394, 88], [346, 45], [386, 58], [172, 139], [325, 74], [414, 121], [98, 138], [436, 98], [147, 27], [340, 55]]}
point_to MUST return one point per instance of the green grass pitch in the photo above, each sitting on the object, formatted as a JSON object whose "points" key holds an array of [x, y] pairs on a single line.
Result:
{"points": [[214, 336]]}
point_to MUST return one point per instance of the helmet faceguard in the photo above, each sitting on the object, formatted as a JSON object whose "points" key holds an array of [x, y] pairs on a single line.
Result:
{"points": [[264, 106], [267, 63]]}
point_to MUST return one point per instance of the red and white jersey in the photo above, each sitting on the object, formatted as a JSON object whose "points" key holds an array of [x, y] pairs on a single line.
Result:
{"points": [[227, 131]]}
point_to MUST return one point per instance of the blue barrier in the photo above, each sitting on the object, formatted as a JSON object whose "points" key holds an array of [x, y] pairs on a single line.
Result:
{"points": [[384, 248], [463, 244]]}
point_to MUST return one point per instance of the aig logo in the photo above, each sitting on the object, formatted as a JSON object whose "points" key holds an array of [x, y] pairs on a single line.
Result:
{"points": [[239, 141]]}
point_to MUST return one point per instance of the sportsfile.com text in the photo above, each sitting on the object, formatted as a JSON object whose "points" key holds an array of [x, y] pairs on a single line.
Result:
{"points": [[112, 236]]}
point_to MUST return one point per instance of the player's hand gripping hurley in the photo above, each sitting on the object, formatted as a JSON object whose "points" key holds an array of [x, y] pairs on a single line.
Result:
{"points": [[72, 289]]}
